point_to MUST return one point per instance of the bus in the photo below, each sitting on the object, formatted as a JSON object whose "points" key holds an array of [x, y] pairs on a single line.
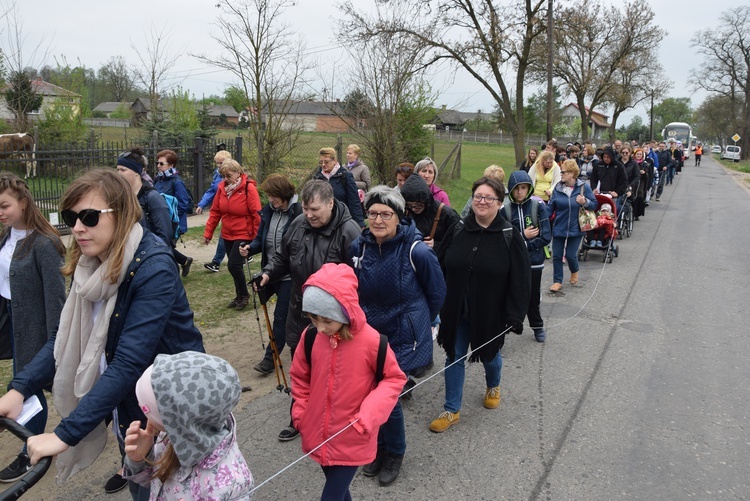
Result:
{"points": [[680, 131]]}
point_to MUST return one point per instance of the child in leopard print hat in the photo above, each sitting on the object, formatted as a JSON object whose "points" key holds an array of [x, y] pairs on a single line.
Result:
{"points": [[188, 399]]}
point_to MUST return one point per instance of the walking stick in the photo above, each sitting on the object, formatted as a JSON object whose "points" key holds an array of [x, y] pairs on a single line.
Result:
{"points": [[263, 297]]}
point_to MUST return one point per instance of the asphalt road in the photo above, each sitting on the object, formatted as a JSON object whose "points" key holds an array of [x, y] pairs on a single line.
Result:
{"points": [[640, 391]]}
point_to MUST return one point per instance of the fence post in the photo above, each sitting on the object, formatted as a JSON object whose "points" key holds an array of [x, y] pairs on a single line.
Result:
{"points": [[238, 148], [198, 166], [339, 147], [260, 171]]}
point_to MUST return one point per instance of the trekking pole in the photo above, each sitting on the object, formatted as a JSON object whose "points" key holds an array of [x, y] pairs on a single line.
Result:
{"points": [[255, 305], [277, 365]]}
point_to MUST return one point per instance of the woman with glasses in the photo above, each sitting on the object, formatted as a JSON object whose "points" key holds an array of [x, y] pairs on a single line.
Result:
{"points": [[432, 220], [155, 213], [126, 305], [401, 289], [168, 181], [567, 199], [428, 171], [237, 206], [488, 277]]}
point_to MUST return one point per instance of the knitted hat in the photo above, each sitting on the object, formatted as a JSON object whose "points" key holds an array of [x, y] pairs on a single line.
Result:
{"points": [[146, 398], [606, 207], [131, 164], [318, 302], [196, 393]]}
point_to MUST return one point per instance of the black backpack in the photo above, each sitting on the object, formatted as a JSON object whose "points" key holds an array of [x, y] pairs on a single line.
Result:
{"points": [[312, 333]]}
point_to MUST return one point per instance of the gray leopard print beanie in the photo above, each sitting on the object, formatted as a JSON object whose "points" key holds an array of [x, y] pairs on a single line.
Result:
{"points": [[195, 394]]}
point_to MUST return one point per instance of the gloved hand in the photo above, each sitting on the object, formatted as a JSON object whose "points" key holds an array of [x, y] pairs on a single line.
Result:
{"points": [[516, 326]]}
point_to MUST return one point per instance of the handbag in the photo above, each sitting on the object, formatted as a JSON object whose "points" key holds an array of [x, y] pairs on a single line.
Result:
{"points": [[586, 218]]}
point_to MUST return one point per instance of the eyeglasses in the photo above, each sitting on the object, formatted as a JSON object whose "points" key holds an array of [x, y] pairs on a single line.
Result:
{"points": [[564, 171], [415, 205], [478, 198], [89, 217], [404, 169], [161, 164], [385, 216], [325, 162]]}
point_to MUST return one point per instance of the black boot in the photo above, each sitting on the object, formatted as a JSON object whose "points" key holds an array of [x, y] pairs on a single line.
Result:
{"points": [[391, 469], [372, 469]]}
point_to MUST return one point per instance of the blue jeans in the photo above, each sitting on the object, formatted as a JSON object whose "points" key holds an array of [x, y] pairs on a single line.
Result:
{"points": [[283, 291], [139, 492], [392, 434], [338, 480], [221, 251], [671, 173], [37, 423], [455, 375], [571, 255]]}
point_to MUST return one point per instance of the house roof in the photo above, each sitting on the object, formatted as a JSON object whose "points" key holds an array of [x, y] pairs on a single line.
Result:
{"points": [[446, 116], [598, 118], [216, 110], [43, 88], [315, 107], [110, 106]]}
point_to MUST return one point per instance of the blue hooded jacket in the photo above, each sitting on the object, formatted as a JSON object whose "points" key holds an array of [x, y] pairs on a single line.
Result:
{"points": [[520, 210]]}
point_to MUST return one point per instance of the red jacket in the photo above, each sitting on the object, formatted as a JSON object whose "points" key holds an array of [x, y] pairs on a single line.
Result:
{"points": [[342, 387], [239, 214]]}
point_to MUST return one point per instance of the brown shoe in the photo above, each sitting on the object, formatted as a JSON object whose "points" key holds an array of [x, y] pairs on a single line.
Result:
{"points": [[233, 303], [555, 287], [242, 303], [574, 278]]}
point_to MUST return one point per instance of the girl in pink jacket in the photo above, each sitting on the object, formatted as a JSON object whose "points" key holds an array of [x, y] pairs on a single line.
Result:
{"points": [[337, 386]]}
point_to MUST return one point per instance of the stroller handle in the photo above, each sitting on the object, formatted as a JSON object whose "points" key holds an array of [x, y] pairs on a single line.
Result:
{"points": [[35, 474]]}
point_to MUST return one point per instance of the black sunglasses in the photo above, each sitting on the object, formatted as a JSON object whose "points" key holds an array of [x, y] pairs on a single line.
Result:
{"points": [[89, 217]]}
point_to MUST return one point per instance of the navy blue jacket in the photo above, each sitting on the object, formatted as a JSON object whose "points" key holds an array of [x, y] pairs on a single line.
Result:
{"points": [[172, 184], [258, 243], [152, 316], [345, 190], [156, 216], [208, 196], [398, 301], [565, 208], [520, 210]]}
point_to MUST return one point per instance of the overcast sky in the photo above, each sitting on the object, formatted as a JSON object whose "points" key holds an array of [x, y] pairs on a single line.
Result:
{"points": [[93, 31]]}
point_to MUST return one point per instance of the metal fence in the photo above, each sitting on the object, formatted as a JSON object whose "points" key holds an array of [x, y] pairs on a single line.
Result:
{"points": [[497, 137], [54, 166]]}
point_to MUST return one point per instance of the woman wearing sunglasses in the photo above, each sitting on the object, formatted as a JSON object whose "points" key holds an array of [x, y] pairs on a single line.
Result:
{"points": [[31, 286], [126, 305], [168, 181]]}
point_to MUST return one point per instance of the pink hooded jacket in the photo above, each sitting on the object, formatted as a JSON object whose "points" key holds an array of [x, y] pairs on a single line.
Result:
{"points": [[341, 387]]}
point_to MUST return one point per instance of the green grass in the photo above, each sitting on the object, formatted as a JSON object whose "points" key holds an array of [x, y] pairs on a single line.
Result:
{"points": [[741, 166]]}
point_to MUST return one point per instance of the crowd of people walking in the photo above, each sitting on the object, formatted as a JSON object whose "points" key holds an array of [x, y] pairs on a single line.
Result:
{"points": [[365, 278]]}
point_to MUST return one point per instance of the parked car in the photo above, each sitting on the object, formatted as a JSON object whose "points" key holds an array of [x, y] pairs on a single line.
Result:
{"points": [[731, 153], [716, 149]]}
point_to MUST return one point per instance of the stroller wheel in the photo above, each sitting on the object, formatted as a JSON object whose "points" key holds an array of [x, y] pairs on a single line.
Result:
{"points": [[584, 253], [616, 250]]}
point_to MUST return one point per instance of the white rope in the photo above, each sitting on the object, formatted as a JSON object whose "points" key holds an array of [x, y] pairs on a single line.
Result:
{"points": [[350, 424]]}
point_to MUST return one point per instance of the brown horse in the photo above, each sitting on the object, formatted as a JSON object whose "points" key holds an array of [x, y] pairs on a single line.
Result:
{"points": [[20, 145]]}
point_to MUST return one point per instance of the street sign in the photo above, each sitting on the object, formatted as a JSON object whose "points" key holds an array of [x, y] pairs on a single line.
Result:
{"points": [[736, 138]]}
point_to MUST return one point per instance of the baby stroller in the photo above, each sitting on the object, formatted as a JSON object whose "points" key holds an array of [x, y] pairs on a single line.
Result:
{"points": [[608, 246], [626, 217]]}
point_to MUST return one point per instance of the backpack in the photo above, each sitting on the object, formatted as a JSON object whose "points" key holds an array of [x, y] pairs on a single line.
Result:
{"points": [[173, 214], [191, 200], [312, 333]]}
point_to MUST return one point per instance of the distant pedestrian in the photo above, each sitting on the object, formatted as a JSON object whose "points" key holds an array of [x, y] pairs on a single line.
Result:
{"points": [[342, 182], [168, 181], [206, 200]]}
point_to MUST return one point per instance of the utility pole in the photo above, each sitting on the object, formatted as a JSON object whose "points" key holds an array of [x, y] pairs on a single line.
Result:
{"points": [[550, 49], [651, 124]]}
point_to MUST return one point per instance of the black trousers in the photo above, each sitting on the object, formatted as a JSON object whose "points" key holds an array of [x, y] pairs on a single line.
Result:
{"points": [[236, 267], [533, 313]]}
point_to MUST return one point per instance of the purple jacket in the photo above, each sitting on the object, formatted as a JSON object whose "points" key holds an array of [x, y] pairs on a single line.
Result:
{"points": [[439, 194]]}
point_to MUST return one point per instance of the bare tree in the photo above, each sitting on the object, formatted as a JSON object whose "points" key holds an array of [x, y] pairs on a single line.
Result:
{"points": [[258, 48], [156, 59], [389, 99], [20, 65], [635, 81], [593, 43], [726, 69], [117, 77], [490, 42]]}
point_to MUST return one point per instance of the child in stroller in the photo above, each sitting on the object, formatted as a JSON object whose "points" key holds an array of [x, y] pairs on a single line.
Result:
{"points": [[603, 236], [605, 227]]}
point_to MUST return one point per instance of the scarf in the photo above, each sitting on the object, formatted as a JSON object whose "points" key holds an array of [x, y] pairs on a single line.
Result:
{"points": [[230, 188], [167, 173], [79, 348]]}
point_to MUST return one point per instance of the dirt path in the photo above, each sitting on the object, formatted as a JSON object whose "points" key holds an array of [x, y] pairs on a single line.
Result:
{"points": [[238, 343]]}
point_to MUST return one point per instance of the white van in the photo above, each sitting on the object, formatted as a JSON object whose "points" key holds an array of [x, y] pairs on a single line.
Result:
{"points": [[732, 153]]}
